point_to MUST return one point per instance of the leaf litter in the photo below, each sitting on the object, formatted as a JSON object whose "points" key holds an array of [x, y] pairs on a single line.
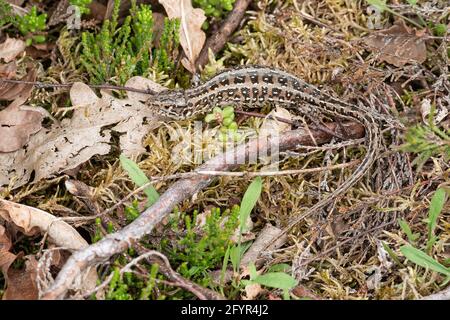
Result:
{"points": [[263, 44], [75, 140]]}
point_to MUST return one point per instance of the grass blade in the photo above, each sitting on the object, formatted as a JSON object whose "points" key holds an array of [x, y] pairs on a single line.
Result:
{"points": [[422, 259], [139, 178], [436, 205]]}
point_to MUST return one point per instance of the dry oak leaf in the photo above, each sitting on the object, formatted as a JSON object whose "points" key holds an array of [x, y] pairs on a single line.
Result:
{"points": [[16, 126], [21, 283], [11, 48], [31, 221], [6, 257], [399, 44], [8, 70], [77, 139], [12, 91], [192, 36]]}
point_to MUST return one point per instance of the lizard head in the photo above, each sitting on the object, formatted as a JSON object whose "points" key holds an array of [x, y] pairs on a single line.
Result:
{"points": [[169, 103]]}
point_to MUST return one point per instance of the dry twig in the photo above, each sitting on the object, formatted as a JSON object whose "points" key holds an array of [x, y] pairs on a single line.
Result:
{"points": [[118, 242], [218, 40]]}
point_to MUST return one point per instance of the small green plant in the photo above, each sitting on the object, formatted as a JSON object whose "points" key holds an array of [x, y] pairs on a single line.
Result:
{"points": [[32, 25], [83, 5], [147, 290], [97, 233], [225, 117], [202, 248], [412, 237], [279, 280], [276, 277], [129, 286], [6, 13], [168, 42], [139, 178], [427, 141], [118, 53], [118, 287], [214, 8], [132, 212], [382, 6], [439, 29], [235, 252], [420, 257]]}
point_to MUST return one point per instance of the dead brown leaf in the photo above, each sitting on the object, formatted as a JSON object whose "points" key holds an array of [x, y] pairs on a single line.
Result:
{"points": [[17, 125], [77, 139], [21, 283], [6, 257], [8, 70], [11, 48], [252, 291], [98, 10], [302, 291], [12, 91], [192, 37], [40, 51], [31, 221], [399, 45]]}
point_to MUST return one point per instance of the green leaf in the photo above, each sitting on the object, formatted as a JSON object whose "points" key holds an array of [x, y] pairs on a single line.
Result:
{"points": [[412, 237], [436, 205], [249, 200], [252, 271], [235, 257], [412, 2], [422, 259], [391, 253], [379, 4], [226, 258], [139, 178], [281, 267], [278, 280]]}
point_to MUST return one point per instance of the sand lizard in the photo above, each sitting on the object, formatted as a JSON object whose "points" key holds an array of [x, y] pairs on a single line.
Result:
{"points": [[251, 87]]}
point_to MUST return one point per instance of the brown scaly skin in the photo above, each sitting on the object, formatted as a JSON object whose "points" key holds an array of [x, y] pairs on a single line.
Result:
{"points": [[253, 86]]}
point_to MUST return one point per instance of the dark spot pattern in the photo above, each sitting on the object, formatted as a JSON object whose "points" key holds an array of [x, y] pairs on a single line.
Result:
{"points": [[296, 85], [231, 92], [245, 92], [265, 90], [282, 81], [254, 78], [239, 79], [268, 78], [214, 86], [276, 92]]}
